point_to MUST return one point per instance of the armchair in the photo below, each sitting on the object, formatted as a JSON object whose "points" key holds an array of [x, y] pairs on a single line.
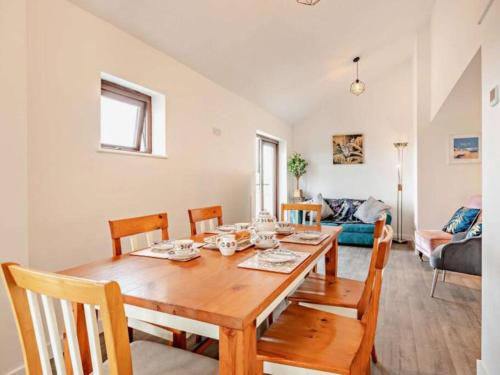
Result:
{"points": [[460, 255]]}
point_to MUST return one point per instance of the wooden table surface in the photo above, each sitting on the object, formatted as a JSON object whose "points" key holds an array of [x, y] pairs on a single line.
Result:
{"points": [[209, 289]]}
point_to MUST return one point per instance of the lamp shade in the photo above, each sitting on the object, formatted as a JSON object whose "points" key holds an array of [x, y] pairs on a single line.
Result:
{"points": [[358, 87]]}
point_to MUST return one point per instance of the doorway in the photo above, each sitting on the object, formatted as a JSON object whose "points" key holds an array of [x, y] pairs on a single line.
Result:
{"points": [[267, 161]]}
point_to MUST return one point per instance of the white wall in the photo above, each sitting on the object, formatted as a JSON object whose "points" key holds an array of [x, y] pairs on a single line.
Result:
{"points": [[443, 187], [491, 166], [384, 114], [74, 190], [455, 39], [13, 163]]}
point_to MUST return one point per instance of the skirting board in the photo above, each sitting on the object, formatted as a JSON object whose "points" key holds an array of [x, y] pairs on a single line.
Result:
{"points": [[481, 370], [16, 371]]}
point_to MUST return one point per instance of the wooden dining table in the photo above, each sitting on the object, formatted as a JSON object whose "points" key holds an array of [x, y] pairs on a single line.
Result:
{"points": [[209, 296]]}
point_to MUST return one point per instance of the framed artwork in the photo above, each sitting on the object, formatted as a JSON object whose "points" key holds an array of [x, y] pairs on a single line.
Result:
{"points": [[348, 149], [465, 149]]}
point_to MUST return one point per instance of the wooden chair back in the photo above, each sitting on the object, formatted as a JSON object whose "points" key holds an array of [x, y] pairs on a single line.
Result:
{"points": [[203, 216], [361, 362], [288, 208], [25, 290], [137, 225], [380, 257], [377, 236]]}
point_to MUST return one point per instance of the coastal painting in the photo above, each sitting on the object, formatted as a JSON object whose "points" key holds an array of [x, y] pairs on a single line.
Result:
{"points": [[465, 149], [348, 149]]}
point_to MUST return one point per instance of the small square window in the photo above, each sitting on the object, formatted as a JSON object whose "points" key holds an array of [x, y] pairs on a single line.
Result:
{"points": [[126, 119]]}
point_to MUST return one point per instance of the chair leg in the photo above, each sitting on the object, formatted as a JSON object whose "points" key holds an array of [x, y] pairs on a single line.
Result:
{"points": [[374, 355], [434, 281], [179, 339], [444, 276]]}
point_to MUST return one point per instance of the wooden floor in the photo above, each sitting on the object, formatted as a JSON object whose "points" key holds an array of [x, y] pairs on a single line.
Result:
{"points": [[418, 334]]}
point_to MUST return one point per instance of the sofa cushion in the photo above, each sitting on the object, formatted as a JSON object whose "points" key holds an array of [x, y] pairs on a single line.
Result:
{"points": [[358, 228], [427, 240], [344, 209], [462, 220], [370, 210]]}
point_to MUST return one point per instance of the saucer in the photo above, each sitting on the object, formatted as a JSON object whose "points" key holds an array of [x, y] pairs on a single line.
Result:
{"points": [[225, 228], [162, 246], [285, 231], [275, 244], [172, 255], [310, 235]]}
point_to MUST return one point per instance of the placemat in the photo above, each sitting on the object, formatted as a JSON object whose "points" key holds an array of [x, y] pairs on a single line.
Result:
{"points": [[256, 264], [295, 238]]}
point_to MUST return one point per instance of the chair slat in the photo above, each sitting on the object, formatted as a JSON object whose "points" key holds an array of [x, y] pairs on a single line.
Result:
{"points": [[149, 238], [74, 347], [39, 332], [94, 342], [55, 338]]}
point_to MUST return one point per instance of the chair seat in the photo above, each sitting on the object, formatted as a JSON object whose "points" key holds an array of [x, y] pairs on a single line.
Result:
{"points": [[427, 240], [308, 338], [328, 290], [150, 358]]}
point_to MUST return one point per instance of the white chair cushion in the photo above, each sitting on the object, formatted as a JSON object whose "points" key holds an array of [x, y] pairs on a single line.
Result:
{"points": [[150, 358]]}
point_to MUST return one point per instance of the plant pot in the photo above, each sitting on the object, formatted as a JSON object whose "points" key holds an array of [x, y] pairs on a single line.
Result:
{"points": [[298, 193]]}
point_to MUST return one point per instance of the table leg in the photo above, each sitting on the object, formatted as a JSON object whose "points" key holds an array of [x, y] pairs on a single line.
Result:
{"points": [[83, 342], [332, 259], [238, 351]]}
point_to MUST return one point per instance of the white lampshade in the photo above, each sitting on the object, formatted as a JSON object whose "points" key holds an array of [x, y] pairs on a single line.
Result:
{"points": [[358, 87]]}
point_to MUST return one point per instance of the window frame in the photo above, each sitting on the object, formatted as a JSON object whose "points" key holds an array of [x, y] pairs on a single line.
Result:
{"points": [[144, 123]]}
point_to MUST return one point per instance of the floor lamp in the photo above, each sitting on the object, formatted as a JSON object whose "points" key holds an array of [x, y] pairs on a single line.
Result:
{"points": [[400, 147]]}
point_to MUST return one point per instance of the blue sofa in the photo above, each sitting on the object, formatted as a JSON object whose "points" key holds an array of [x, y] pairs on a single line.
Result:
{"points": [[354, 232]]}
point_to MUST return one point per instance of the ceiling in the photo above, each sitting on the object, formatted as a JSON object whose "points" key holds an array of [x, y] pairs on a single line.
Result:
{"points": [[286, 57]]}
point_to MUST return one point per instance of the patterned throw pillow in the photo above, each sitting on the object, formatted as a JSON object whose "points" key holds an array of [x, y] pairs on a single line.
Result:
{"points": [[462, 220], [475, 231], [344, 209]]}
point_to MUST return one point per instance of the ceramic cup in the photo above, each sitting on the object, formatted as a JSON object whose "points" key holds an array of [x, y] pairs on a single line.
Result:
{"points": [[183, 246], [265, 239], [284, 226], [242, 226], [227, 244]]}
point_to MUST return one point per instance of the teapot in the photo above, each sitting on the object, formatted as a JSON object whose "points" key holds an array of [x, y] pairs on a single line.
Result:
{"points": [[264, 222]]}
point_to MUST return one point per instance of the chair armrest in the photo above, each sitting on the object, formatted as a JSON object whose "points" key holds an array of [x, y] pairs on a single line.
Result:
{"points": [[463, 256]]}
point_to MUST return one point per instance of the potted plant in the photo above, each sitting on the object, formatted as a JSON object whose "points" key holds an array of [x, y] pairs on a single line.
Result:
{"points": [[297, 166]]}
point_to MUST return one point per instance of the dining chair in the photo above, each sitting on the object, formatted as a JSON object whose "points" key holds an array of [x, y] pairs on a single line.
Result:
{"points": [[203, 216], [60, 295], [304, 208], [305, 340], [131, 228], [341, 295]]}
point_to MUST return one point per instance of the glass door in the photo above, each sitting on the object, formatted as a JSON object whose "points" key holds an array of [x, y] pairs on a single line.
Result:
{"points": [[267, 175]]}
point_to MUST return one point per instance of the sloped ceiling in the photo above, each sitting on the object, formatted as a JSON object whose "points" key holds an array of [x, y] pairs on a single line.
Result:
{"points": [[286, 57]]}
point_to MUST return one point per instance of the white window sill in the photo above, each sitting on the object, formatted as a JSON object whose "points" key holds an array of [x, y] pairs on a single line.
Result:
{"points": [[130, 153]]}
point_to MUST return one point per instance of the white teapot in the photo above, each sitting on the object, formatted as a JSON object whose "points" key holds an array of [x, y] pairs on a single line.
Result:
{"points": [[264, 222]]}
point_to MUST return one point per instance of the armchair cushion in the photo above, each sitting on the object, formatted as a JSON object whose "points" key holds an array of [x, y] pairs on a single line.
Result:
{"points": [[428, 240], [462, 220]]}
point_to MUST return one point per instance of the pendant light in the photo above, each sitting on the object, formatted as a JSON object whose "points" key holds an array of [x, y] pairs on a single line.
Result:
{"points": [[357, 87], [308, 2]]}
